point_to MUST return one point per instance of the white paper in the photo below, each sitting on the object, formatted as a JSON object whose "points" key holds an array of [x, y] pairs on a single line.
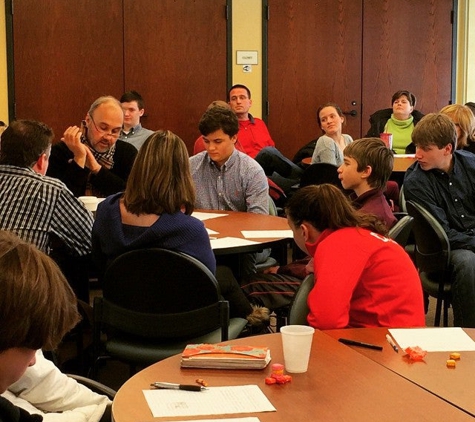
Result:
{"points": [[213, 401], [211, 232], [446, 339], [404, 155], [265, 234], [230, 242], [207, 215]]}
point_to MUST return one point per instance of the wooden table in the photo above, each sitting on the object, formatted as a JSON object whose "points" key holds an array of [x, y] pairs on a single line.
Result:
{"points": [[234, 222], [401, 161], [457, 386], [340, 385]]}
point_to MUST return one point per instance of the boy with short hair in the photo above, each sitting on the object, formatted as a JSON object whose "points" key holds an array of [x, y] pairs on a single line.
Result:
{"points": [[366, 168], [37, 307]]}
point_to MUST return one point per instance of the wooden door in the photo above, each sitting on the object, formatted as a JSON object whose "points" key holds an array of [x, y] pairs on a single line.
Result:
{"points": [[356, 53], [175, 56], [314, 57], [407, 45], [66, 54]]}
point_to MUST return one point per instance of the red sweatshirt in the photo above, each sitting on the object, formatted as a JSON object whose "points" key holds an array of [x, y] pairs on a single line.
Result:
{"points": [[363, 279]]}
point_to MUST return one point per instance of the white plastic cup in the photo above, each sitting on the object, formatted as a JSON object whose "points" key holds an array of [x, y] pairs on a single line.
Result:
{"points": [[296, 343], [89, 202]]}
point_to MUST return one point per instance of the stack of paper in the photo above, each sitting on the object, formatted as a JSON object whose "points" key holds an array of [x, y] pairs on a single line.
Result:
{"points": [[225, 356]]}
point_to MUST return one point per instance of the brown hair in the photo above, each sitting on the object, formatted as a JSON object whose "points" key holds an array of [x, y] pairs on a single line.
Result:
{"points": [[403, 93], [160, 180], [462, 117], [335, 106], [37, 305], [434, 129], [24, 141], [374, 153], [326, 207], [216, 118]]}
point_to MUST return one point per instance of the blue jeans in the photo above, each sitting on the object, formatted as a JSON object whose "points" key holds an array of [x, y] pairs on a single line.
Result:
{"points": [[463, 287]]}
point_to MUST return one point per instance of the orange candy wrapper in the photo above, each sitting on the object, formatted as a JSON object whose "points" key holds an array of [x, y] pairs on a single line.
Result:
{"points": [[415, 353]]}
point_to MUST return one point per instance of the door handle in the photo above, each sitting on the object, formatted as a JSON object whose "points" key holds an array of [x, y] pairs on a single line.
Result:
{"points": [[351, 113]]}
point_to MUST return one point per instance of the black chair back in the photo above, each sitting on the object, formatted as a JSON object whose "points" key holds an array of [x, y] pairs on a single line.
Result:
{"points": [[319, 173], [401, 230], [299, 309]]}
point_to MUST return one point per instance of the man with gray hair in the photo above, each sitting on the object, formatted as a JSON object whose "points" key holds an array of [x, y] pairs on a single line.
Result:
{"points": [[90, 159]]}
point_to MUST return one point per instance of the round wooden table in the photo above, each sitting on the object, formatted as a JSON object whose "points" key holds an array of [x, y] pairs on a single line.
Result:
{"points": [[340, 385]]}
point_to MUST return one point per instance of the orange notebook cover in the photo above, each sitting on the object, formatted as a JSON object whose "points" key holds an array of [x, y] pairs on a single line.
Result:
{"points": [[225, 356]]}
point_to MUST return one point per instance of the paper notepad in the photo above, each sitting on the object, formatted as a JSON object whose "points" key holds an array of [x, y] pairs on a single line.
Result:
{"points": [[225, 356]]}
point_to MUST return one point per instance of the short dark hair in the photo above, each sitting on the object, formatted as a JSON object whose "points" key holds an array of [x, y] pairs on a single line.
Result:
{"points": [[217, 118], [130, 96], [409, 95], [23, 142], [374, 153], [435, 129], [239, 86]]}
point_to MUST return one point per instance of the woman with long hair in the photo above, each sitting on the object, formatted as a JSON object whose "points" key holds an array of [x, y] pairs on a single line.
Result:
{"points": [[362, 278], [155, 211]]}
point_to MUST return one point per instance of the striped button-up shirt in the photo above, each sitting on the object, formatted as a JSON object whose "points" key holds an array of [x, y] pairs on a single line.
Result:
{"points": [[35, 206]]}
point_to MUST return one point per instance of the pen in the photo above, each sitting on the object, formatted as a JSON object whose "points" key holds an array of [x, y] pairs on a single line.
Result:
{"points": [[360, 344], [173, 386], [391, 342]]}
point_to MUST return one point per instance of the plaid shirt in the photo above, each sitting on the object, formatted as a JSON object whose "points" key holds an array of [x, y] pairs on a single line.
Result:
{"points": [[35, 206]]}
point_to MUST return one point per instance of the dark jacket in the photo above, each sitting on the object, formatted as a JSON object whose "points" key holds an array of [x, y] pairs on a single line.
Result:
{"points": [[11, 413], [63, 167], [379, 119]]}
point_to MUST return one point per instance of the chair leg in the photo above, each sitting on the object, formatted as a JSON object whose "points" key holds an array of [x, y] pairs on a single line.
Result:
{"points": [[446, 313], [438, 309]]}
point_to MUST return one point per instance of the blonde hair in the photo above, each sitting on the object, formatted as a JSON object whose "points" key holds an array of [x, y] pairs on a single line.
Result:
{"points": [[160, 180], [37, 305], [462, 117]]}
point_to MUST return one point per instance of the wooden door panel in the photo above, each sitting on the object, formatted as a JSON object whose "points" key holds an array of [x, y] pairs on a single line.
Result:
{"points": [[175, 56], [314, 57], [66, 54], [407, 45]]}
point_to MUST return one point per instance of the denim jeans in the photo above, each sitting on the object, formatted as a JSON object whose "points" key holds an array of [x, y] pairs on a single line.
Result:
{"points": [[463, 288]]}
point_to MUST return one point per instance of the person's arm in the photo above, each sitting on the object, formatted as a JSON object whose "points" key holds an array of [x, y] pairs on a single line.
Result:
{"points": [[72, 223], [257, 191], [63, 167], [425, 195], [325, 151], [44, 387], [114, 180]]}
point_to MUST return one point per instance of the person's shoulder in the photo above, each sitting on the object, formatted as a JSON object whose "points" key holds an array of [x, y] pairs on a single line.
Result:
{"points": [[382, 114], [324, 140], [199, 158], [125, 147]]}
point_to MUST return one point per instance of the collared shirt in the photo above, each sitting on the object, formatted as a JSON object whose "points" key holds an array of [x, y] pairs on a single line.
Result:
{"points": [[253, 135], [35, 206], [239, 185], [136, 136], [449, 197], [374, 202]]}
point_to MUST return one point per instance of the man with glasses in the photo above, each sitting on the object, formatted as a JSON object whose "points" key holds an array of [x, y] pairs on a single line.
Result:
{"points": [[90, 159], [38, 208]]}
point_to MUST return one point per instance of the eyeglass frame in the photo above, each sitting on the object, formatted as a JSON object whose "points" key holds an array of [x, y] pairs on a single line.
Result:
{"points": [[105, 133]]}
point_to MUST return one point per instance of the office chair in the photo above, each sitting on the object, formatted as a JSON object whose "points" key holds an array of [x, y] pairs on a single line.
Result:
{"points": [[154, 303], [401, 230], [432, 258], [299, 310]]}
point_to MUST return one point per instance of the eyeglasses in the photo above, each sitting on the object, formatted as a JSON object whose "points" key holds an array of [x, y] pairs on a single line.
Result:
{"points": [[115, 133]]}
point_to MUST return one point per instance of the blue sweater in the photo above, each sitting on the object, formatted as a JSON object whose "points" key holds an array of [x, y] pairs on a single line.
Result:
{"points": [[178, 232]]}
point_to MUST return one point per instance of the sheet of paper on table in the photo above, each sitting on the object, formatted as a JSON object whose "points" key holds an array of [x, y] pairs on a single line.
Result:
{"points": [[211, 232], [251, 419], [213, 401], [230, 242], [266, 234], [446, 339], [207, 215]]}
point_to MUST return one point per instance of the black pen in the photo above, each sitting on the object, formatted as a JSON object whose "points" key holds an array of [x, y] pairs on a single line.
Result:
{"points": [[173, 386], [360, 344]]}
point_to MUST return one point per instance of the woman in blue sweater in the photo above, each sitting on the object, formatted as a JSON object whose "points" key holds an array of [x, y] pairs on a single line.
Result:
{"points": [[155, 211]]}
